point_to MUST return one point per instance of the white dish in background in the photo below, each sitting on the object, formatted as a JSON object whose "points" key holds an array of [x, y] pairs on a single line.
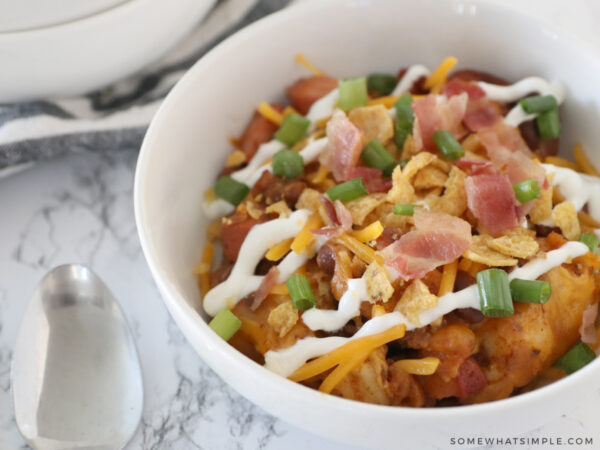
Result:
{"points": [[80, 48], [215, 100]]}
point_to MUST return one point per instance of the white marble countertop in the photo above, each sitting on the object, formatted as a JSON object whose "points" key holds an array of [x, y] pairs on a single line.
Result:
{"points": [[79, 209]]}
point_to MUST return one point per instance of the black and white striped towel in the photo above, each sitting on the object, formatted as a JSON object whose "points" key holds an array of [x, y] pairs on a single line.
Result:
{"points": [[115, 117]]}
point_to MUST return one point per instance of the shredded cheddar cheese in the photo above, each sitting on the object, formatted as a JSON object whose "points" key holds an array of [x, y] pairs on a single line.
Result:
{"points": [[278, 251], [437, 79], [270, 113], [584, 162], [388, 101], [209, 195], [300, 59], [369, 233], [289, 110], [424, 366], [303, 238], [364, 252], [203, 268], [235, 158], [562, 162], [347, 351], [448, 278], [340, 372], [320, 175]]}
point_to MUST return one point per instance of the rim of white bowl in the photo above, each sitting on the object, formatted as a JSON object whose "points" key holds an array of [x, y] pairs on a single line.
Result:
{"points": [[235, 359]]}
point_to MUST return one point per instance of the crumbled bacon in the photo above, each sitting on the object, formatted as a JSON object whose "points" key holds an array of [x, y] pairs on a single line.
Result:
{"points": [[492, 201], [265, 286], [345, 144], [476, 166], [435, 113], [438, 238], [587, 330], [339, 216]]}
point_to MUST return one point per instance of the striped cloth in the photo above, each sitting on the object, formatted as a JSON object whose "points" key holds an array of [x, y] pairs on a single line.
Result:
{"points": [[117, 116]]}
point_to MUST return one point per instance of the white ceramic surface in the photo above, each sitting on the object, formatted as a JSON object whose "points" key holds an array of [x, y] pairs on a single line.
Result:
{"points": [[27, 14], [81, 55], [181, 156]]}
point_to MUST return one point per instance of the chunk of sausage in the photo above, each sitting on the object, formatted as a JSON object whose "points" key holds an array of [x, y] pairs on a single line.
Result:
{"points": [[304, 92], [259, 130]]}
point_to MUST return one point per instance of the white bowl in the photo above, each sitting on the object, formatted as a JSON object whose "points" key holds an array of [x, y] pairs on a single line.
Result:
{"points": [[186, 145], [62, 55]]}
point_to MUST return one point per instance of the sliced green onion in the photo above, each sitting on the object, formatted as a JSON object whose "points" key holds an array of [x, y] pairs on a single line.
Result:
{"points": [[292, 129], [352, 93], [404, 112], [375, 155], [527, 190], [548, 124], [530, 291], [382, 82], [404, 209], [288, 164], [300, 292], [348, 191], [591, 240], [400, 135], [390, 169], [538, 104], [448, 145], [494, 293], [225, 324], [231, 190], [578, 356]]}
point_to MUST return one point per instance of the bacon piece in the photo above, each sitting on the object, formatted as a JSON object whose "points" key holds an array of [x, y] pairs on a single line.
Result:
{"points": [[304, 92], [510, 153], [481, 112], [470, 379], [438, 113], [492, 200], [345, 144], [259, 130], [476, 166], [233, 236], [438, 239], [340, 217], [457, 86], [265, 286], [587, 330]]}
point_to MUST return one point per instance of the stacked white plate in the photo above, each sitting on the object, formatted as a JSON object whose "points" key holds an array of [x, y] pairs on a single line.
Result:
{"points": [[55, 48]]}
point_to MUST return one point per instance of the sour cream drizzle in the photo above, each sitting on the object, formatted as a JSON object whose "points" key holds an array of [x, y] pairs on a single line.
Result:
{"points": [[241, 280], [286, 361], [412, 74], [577, 188], [520, 89]]}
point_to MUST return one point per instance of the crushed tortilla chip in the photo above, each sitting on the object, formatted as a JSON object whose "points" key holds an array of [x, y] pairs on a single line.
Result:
{"points": [[516, 246], [254, 210], [542, 206], [401, 191], [416, 299], [385, 214], [565, 217], [379, 287], [518, 231], [361, 207], [472, 144], [411, 147], [454, 199], [375, 121], [416, 163], [480, 252], [281, 208], [311, 199], [429, 177], [283, 318]]}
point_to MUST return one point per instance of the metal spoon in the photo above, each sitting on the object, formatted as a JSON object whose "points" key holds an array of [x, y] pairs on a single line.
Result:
{"points": [[76, 376]]}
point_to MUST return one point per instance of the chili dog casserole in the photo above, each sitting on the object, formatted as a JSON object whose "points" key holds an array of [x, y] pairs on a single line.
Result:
{"points": [[408, 240]]}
